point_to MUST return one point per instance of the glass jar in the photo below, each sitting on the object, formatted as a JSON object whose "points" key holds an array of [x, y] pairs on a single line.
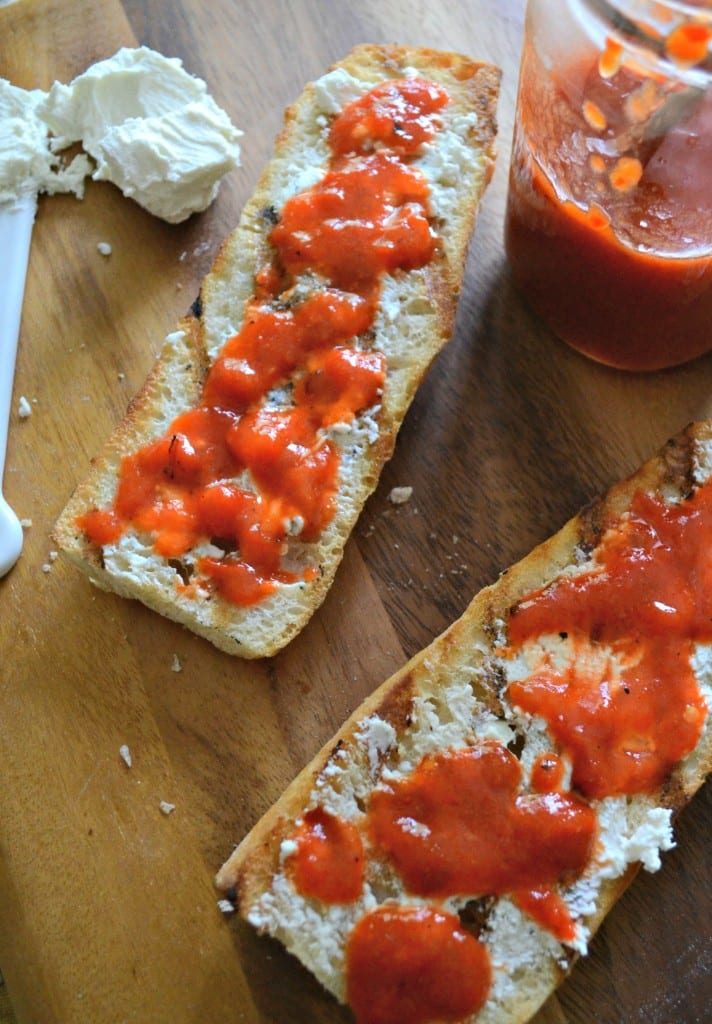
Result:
{"points": [[609, 214]]}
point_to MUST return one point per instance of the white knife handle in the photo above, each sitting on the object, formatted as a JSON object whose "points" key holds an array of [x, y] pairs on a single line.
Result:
{"points": [[16, 220]]}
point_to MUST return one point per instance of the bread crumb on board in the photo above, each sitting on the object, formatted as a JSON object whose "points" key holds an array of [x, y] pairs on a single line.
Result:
{"points": [[400, 495]]}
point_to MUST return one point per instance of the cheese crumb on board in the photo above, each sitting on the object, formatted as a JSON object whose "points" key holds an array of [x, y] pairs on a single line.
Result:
{"points": [[400, 495]]}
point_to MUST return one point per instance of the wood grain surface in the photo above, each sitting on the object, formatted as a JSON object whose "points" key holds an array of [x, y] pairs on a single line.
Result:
{"points": [[107, 906]]}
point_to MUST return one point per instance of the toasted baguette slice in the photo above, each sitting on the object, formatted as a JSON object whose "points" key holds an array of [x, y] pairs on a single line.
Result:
{"points": [[414, 320], [454, 694]]}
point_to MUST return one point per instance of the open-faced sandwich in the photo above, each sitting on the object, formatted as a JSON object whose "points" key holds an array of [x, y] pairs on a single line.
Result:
{"points": [[225, 498]]}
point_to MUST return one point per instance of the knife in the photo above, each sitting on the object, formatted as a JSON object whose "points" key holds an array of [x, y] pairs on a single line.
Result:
{"points": [[16, 220]]}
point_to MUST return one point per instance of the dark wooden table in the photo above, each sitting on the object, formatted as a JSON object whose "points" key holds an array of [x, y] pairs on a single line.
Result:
{"points": [[107, 909]]}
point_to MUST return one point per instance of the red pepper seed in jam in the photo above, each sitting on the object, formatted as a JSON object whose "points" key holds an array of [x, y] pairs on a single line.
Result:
{"points": [[649, 598], [689, 43], [368, 216], [409, 965]]}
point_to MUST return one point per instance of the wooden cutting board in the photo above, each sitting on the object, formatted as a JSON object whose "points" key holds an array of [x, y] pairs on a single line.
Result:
{"points": [[107, 908]]}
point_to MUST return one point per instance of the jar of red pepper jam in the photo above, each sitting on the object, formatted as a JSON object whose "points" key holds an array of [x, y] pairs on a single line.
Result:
{"points": [[609, 214]]}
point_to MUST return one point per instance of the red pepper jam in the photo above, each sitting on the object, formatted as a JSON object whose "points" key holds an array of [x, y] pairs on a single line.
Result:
{"points": [[247, 475], [460, 825], [396, 115], [645, 602], [328, 862], [608, 225], [367, 216], [409, 965], [549, 909]]}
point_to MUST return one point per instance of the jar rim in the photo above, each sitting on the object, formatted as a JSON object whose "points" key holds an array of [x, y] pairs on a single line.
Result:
{"points": [[701, 9]]}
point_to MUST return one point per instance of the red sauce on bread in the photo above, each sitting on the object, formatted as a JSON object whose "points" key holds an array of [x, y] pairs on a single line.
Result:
{"points": [[648, 599], [412, 965], [247, 474], [547, 773], [461, 824], [395, 115], [328, 861], [466, 823], [367, 217], [547, 908]]}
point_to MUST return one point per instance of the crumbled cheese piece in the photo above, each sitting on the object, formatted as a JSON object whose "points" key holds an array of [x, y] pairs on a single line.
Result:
{"points": [[449, 162], [378, 736], [294, 526], [625, 842], [161, 139], [226, 907], [287, 848], [104, 248], [166, 808], [126, 754], [51, 557], [412, 827], [399, 495], [176, 666], [27, 164], [334, 90], [24, 408], [25, 524]]}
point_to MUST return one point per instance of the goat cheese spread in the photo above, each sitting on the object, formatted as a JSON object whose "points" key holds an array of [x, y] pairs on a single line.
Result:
{"points": [[151, 128], [27, 165]]}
